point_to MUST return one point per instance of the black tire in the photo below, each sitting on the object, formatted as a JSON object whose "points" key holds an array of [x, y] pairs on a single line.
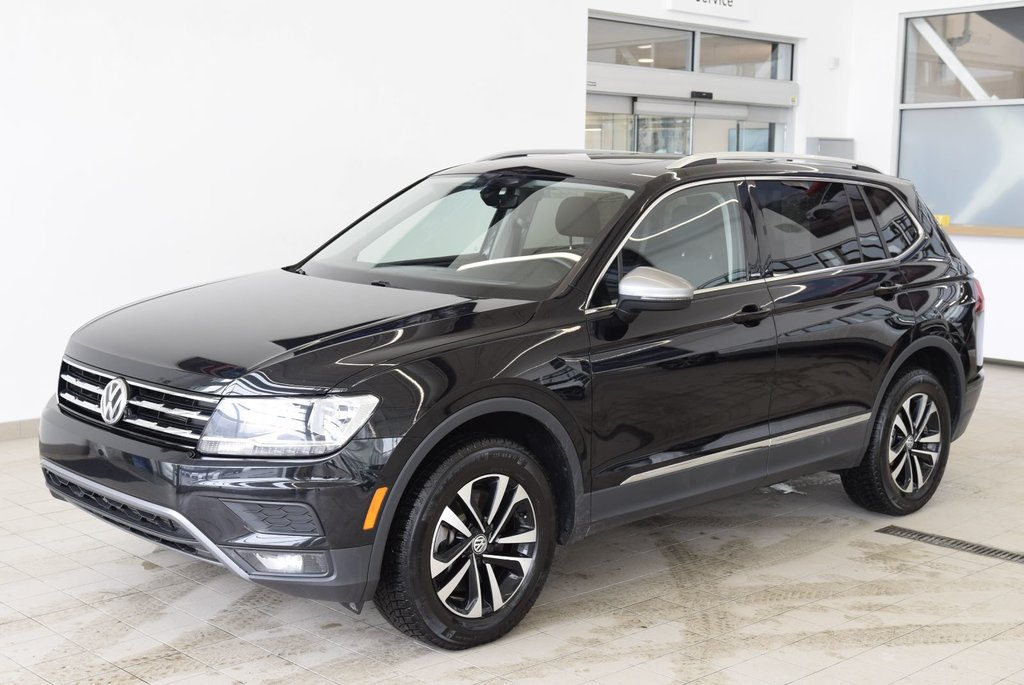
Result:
{"points": [[414, 580], [908, 450]]}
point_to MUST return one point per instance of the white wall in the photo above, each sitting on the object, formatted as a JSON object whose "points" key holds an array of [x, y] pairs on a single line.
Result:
{"points": [[996, 262], [872, 106], [150, 145]]}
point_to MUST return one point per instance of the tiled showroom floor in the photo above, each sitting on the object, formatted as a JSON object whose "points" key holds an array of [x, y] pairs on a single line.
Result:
{"points": [[770, 586]]}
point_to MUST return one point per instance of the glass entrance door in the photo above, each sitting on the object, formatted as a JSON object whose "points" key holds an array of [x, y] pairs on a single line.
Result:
{"points": [[716, 135], [684, 127], [756, 136], [670, 135]]}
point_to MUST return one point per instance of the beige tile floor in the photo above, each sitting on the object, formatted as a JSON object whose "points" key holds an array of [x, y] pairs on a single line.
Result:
{"points": [[766, 587]]}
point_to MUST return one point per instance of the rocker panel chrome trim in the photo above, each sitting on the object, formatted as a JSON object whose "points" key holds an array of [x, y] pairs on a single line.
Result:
{"points": [[749, 447]]}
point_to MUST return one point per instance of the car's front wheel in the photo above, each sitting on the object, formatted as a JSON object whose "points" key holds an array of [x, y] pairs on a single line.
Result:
{"points": [[908, 450], [470, 547]]}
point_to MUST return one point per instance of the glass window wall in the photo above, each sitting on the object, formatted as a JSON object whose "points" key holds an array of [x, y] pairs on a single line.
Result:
{"points": [[965, 57], [638, 45], [680, 135], [610, 131], [733, 56], [663, 134]]}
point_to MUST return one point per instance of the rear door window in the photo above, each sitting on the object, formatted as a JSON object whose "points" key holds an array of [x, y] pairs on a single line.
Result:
{"points": [[809, 225]]}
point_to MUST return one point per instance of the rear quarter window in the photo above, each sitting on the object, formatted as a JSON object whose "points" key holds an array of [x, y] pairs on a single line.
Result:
{"points": [[897, 228], [870, 243]]}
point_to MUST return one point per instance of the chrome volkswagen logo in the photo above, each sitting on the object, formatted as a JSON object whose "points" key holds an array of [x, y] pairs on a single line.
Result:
{"points": [[479, 544], [114, 401]]}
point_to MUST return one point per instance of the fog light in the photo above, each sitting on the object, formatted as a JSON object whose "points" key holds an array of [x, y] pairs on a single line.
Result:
{"points": [[290, 563]]}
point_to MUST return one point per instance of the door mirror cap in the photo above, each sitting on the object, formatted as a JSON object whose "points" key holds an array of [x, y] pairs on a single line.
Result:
{"points": [[646, 288]]}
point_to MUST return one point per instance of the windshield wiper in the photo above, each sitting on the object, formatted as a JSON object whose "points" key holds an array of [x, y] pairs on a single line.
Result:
{"points": [[425, 261]]}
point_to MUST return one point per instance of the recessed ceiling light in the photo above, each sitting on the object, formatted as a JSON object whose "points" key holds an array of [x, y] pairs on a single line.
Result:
{"points": [[645, 60], [645, 47], [589, 130]]}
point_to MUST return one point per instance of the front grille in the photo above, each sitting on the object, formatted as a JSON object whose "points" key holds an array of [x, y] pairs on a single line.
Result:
{"points": [[153, 527], [153, 411]]}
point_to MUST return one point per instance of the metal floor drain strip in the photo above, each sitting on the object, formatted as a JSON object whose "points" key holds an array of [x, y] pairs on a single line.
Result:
{"points": [[953, 543]]}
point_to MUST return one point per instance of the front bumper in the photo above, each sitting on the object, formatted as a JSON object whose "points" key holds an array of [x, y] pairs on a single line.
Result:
{"points": [[222, 511]]}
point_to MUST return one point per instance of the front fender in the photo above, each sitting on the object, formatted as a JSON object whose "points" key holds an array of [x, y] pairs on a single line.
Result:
{"points": [[422, 448]]}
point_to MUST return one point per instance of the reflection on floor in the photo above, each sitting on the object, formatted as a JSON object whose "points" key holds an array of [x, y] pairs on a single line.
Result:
{"points": [[775, 586]]}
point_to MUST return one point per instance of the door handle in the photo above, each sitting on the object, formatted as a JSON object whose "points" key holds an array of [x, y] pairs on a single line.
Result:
{"points": [[751, 315], [886, 290]]}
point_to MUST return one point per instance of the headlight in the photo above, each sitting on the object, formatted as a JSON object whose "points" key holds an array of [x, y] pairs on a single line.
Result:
{"points": [[284, 426]]}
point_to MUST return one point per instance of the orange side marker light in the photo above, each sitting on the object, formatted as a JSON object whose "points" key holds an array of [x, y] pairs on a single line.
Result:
{"points": [[371, 514]]}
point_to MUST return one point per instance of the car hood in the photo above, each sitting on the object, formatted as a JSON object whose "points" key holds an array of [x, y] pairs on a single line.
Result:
{"points": [[279, 332]]}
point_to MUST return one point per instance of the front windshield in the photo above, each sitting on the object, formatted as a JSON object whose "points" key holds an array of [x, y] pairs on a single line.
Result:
{"points": [[513, 233]]}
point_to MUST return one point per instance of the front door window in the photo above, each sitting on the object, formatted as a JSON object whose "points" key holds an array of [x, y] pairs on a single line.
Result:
{"points": [[696, 233]]}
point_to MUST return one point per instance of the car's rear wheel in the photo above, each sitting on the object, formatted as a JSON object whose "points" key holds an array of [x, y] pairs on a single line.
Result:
{"points": [[470, 547], [908, 450]]}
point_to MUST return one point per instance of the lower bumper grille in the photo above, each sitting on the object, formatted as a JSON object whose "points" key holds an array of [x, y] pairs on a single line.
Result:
{"points": [[153, 527]]}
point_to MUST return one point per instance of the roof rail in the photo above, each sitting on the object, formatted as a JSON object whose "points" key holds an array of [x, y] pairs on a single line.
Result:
{"points": [[715, 157], [582, 152], [526, 153]]}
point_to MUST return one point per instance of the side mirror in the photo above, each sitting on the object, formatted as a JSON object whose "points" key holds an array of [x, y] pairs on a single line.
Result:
{"points": [[645, 288]]}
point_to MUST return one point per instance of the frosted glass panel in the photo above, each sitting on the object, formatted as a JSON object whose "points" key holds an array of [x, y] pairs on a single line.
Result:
{"points": [[713, 135], [967, 162]]}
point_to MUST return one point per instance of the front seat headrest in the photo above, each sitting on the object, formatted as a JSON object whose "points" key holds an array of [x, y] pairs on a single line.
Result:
{"points": [[578, 217]]}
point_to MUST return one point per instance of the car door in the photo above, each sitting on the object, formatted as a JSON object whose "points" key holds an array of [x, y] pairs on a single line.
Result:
{"points": [[681, 398], [839, 310]]}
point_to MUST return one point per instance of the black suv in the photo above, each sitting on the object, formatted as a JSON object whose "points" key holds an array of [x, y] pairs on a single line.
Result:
{"points": [[523, 351]]}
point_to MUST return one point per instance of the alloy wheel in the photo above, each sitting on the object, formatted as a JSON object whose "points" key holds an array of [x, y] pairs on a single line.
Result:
{"points": [[484, 545], [915, 443]]}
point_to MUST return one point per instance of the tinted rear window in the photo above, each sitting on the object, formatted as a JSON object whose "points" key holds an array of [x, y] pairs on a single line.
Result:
{"points": [[810, 225], [870, 244], [897, 228]]}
